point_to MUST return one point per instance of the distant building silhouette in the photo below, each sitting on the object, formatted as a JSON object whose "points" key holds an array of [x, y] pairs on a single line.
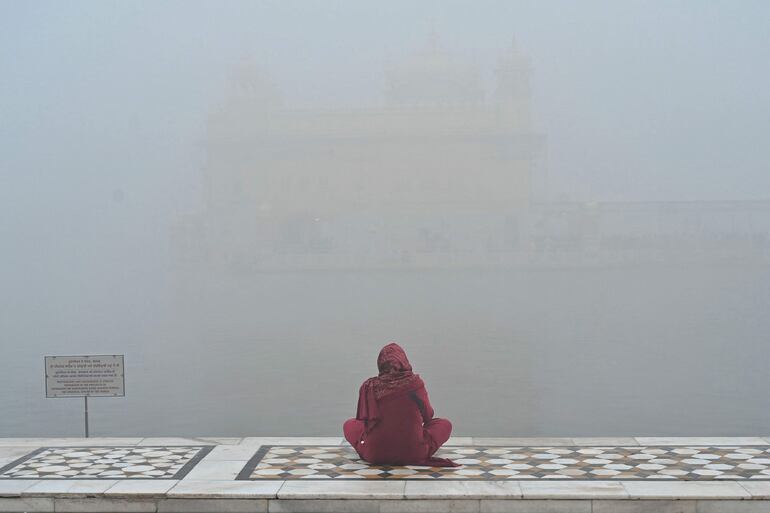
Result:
{"points": [[439, 175]]}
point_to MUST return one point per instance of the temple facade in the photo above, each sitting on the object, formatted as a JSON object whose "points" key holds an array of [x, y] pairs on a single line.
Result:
{"points": [[441, 166], [438, 174]]}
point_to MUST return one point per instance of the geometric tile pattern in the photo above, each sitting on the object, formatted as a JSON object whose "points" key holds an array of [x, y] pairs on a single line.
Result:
{"points": [[115, 462], [684, 463]]}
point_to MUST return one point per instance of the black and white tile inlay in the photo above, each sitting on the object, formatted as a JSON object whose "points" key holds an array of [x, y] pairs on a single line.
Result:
{"points": [[129, 462], [678, 463]]}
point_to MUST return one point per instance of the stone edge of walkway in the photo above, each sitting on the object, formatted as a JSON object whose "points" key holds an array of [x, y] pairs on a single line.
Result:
{"points": [[295, 496], [219, 505], [411, 490], [338, 440]]}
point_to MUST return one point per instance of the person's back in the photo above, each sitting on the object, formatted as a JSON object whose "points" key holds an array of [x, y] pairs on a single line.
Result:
{"points": [[394, 421], [398, 436]]}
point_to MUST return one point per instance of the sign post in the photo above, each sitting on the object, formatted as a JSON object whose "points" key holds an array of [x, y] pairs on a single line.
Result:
{"points": [[85, 398], [84, 376]]}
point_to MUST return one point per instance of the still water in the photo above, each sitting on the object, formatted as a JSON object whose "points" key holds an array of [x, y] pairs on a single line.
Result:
{"points": [[647, 351]]}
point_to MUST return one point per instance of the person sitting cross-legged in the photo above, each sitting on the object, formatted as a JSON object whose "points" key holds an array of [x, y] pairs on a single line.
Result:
{"points": [[394, 421]]}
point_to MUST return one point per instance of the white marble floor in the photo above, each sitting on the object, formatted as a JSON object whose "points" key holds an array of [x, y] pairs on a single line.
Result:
{"points": [[211, 484]]}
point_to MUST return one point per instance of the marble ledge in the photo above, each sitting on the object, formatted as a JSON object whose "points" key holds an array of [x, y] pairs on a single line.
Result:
{"points": [[69, 487], [463, 489], [102, 505], [69, 442], [9, 453], [573, 490], [465, 505], [231, 453], [757, 489], [141, 488], [685, 490], [225, 489], [215, 470], [27, 504], [324, 506], [410, 490], [297, 489], [339, 440], [230, 505], [15, 487]]}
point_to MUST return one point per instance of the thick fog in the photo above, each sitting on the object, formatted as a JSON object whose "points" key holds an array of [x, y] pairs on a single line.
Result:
{"points": [[561, 210]]}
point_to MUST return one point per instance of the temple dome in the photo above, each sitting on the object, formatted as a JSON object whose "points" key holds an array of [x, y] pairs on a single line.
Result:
{"points": [[433, 76]]}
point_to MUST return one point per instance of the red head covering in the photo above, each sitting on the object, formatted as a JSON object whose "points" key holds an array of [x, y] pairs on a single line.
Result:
{"points": [[395, 372], [395, 376], [392, 358]]}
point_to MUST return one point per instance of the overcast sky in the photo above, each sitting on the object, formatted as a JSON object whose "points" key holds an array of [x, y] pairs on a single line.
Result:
{"points": [[638, 99]]}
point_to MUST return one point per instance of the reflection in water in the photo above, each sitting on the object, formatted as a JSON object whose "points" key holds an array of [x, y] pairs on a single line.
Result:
{"points": [[675, 351]]}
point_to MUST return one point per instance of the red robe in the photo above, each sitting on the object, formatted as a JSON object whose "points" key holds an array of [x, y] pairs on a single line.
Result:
{"points": [[394, 421]]}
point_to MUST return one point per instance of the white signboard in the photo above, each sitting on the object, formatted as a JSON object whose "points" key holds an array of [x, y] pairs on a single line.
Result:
{"points": [[83, 376]]}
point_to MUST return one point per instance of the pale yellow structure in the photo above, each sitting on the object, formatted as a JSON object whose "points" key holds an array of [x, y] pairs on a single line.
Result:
{"points": [[437, 175], [441, 166]]}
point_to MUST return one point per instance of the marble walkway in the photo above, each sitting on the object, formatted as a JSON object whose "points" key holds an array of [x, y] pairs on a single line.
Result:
{"points": [[323, 474]]}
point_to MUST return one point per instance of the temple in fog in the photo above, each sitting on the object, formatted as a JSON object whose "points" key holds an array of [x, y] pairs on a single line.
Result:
{"points": [[438, 174]]}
